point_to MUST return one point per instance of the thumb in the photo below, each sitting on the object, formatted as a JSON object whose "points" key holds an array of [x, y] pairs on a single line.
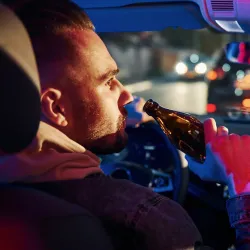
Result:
{"points": [[210, 129]]}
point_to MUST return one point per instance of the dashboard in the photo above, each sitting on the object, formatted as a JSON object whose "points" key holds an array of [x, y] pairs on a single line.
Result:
{"points": [[147, 160], [150, 160], [147, 146]]}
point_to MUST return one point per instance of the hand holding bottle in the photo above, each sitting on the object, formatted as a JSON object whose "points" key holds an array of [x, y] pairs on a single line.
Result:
{"points": [[212, 169], [212, 154], [227, 160], [234, 151]]}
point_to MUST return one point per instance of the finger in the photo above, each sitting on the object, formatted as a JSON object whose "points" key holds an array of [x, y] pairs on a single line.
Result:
{"points": [[222, 131], [245, 140], [235, 146], [245, 137], [220, 146], [238, 157], [136, 103], [210, 129], [146, 118], [235, 139], [229, 149]]}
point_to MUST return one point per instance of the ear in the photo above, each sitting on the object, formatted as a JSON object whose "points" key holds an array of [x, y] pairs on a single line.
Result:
{"points": [[53, 107]]}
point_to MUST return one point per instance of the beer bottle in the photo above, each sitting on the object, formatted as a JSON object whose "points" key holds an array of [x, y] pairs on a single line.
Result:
{"points": [[183, 130]]}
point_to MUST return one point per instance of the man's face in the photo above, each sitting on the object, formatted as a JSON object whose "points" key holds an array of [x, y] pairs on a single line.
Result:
{"points": [[94, 104]]}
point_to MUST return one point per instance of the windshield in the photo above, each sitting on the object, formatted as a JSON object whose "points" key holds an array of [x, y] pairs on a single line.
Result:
{"points": [[181, 69]]}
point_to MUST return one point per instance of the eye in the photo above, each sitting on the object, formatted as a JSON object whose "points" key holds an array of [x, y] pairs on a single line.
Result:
{"points": [[109, 82]]}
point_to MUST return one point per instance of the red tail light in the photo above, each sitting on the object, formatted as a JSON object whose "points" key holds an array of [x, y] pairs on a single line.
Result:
{"points": [[211, 108], [215, 74], [220, 73]]}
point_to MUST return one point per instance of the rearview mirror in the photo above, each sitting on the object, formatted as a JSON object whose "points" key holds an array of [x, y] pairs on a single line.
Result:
{"points": [[238, 52]]}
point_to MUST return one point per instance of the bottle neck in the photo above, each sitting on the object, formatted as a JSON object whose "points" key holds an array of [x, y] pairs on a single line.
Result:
{"points": [[153, 110], [165, 111]]}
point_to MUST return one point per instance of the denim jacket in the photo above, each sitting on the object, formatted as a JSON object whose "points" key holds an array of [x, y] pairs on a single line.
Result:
{"points": [[135, 216], [238, 209], [138, 218]]}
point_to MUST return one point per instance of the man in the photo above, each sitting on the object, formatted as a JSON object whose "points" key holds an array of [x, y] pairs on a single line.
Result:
{"points": [[83, 112]]}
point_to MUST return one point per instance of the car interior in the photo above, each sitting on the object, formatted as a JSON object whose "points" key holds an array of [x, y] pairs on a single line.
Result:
{"points": [[149, 159]]}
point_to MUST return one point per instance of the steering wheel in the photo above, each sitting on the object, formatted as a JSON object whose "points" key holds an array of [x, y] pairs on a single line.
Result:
{"points": [[129, 164]]}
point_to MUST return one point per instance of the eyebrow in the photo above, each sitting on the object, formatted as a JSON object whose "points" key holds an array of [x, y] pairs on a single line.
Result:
{"points": [[109, 74]]}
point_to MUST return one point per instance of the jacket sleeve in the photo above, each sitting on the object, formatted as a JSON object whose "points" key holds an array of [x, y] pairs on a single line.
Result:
{"points": [[239, 215], [79, 232], [156, 221]]}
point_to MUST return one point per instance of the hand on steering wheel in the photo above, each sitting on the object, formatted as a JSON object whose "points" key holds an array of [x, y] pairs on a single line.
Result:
{"points": [[212, 169]]}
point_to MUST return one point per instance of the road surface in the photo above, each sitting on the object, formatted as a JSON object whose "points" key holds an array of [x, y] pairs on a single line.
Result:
{"points": [[186, 97]]}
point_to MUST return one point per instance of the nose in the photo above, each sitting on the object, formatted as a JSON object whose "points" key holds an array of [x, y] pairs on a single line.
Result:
{"points": [[125, 96]]}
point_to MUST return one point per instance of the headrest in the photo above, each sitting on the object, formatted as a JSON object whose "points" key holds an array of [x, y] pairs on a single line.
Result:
{"points": [[19, 85]]}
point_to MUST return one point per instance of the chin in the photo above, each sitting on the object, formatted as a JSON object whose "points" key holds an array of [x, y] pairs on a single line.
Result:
{"points": [[110, 144], [119, 146]]}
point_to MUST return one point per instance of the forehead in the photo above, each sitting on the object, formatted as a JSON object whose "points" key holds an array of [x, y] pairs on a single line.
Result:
{"points": [[91, 53]]}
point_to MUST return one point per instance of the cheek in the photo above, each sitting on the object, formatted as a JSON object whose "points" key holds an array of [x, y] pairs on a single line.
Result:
{"points": [[111, 111], [108, 101], [96, 110], [83, 112]]}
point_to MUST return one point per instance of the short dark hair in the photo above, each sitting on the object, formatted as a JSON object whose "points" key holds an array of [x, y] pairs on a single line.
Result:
{"points": [[48, 17], [46, 22]]}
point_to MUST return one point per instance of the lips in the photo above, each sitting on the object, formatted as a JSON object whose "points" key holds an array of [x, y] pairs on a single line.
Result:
{"points": [[124, 112]]}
